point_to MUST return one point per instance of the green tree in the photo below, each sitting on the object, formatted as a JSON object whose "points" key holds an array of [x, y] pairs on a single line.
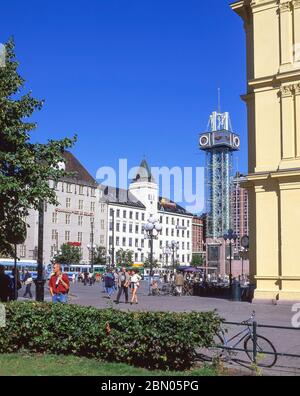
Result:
{"points": [[148, 265], [25, 167], [100, 255], [197, 260], [69, 254], [124, 257]]}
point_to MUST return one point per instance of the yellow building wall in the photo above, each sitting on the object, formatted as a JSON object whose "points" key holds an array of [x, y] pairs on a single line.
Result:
{"points": [[273, 100]]}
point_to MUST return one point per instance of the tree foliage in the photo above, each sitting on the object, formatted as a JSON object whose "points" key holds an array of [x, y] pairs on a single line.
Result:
{"points": [[197, 260], [25, 167], [100, 255], [69, 254], [124, 257]]}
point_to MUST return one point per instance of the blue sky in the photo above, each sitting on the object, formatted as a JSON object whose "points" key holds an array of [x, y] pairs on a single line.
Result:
{"points": [[130, 77]]}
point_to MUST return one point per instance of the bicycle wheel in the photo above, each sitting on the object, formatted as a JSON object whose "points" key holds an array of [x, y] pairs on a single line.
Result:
{"points": [[267, 359]]}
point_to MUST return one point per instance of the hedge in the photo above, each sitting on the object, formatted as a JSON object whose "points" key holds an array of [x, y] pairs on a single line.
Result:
{"points": [[146, 339]]}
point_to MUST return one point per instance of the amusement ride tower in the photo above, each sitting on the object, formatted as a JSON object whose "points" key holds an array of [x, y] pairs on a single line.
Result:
{"points": [[219, 143]]}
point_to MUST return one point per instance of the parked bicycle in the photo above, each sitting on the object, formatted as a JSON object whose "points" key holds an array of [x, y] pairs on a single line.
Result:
{"points": [[266, 354]]}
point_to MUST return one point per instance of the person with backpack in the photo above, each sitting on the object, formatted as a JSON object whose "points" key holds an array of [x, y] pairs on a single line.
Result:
{"points": [[109, 283]]}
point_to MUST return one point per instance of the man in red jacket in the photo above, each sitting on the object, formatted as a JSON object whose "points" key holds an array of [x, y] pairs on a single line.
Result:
{"points": [[59, 285]]}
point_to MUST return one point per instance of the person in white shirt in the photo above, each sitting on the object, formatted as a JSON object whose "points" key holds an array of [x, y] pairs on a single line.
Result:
{"points": [[135, 284]]}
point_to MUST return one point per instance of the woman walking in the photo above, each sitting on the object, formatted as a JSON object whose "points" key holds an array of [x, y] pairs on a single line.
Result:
{"points": [[135, 284]]}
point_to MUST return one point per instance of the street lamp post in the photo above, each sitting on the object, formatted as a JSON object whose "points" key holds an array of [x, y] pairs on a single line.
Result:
{"points": [[231, 237], [152, 229], [174, 246]]}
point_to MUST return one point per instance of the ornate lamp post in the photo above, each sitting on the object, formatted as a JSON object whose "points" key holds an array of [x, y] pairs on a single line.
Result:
{"points": [[174, 246], [230, 237], [152, 229]]}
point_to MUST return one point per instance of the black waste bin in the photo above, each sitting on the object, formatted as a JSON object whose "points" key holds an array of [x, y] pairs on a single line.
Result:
{"points": [[236, 291]]}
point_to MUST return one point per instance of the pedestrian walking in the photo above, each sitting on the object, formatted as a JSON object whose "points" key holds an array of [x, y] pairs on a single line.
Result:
{"points": [[16, 284], [59, 285], [5, 285], [116, 276], [123, 284], [27, 281], [135, 284], [109, 282]]}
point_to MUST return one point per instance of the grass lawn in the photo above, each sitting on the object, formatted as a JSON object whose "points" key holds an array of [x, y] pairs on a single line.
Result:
{"points": [[49, 365]]}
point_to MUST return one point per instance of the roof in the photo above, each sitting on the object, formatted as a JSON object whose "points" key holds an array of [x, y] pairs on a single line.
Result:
{"points": [[120, 196], [166, 205], [80, 174], [144, 174]]}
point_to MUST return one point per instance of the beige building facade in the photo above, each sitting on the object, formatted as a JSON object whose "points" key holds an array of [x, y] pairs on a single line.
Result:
{"points": [[273, 99]]}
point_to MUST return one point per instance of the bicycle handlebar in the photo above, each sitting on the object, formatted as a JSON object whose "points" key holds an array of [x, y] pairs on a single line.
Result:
{"points": [[245, 322]]}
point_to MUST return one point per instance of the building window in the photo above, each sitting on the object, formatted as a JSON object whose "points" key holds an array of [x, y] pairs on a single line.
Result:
{"points": [[124, 242], [81, 190], [92, 206], [69, 188], [142, 257], [93, 192], [68, 202], [23, 251], [102, 224], [118, 227], [130, 228], [54, 235], [136, 257], [80, 204], [137, 216], [143, 216], [54, 217], [80, 237], [124, 214], [118, 213], [68, 218], [67, 236], [136, 243], [131, 215], [117, 241], [142, 243], [137, 229], [102, 208], [130, 242], [124, 227], [80, 220], [167, 220]]}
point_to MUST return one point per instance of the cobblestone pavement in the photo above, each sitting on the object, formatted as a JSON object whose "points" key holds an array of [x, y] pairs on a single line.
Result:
{"points": [[285, 341]]}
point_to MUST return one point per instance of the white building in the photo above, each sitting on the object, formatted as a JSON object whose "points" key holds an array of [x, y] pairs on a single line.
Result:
{"points": [[129, 211], [80, 218]]}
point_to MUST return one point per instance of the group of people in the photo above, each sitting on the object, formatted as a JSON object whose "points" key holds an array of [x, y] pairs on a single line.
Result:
{"points": [[11, 284], [122, 282]]}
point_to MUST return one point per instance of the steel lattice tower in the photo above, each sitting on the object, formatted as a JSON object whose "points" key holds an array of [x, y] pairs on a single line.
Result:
{"points": [[219, 143]]}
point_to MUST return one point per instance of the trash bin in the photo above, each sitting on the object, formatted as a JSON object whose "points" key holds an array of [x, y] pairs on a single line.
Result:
{"points": [[236, 291]]}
